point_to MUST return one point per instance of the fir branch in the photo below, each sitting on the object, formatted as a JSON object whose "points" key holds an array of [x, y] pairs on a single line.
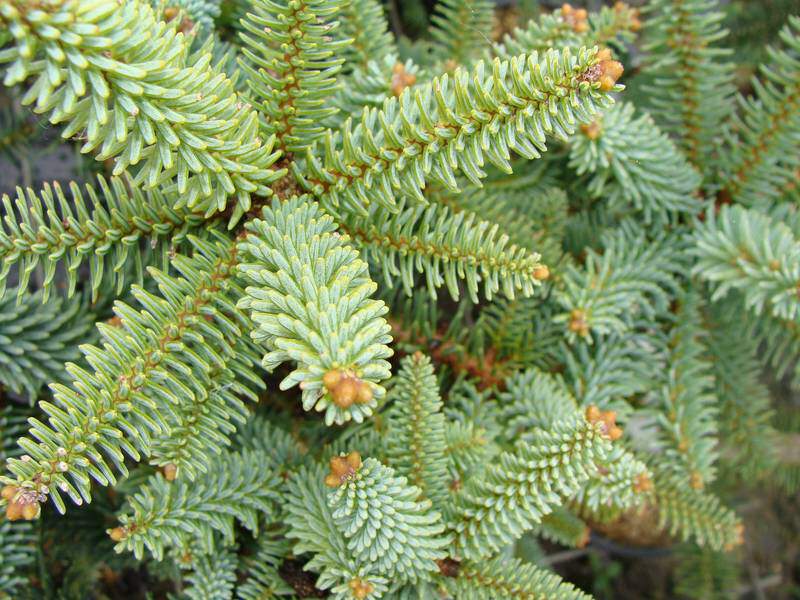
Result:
{"points": [[635, 166], [762, 151], [694, 514], [311, 523], [405, 546], [311, 304], [687, 408], [156, 358], [744, 250], [445, 247], [455, 123], [622, 482], [691, 87], [745, 408], [212, 576], [533, 400], [364, 22], [415, 429], [292, 58], [502, 578], [572, 28], [111, 229], [126, 83], [182, 514], [37, 338], [563, 527], [611, 371], [519, 487], [632, 276], [461, 29], [262, 578]]}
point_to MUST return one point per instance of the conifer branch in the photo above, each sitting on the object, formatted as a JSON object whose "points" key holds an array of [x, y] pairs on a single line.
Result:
{"points": [[692, 87], [695, 514], [688, 409], [763, 153], [406, 546], [37, 338], [461, 29], [311, 304], [182, 514], [445, 247], [520, 487], [456, 123], [634, 165], [364, 22], [156, 358], [633, 275], [126, 83], [415, 429], [502, 578], [311, 523], [292, 59], [110, 229], [744, 250]]}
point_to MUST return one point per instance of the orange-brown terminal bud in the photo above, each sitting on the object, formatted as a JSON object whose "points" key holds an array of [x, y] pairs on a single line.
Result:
{"points": [[170, 471], [118, 534], [642, 483], [577, 18], [8, 492], [592, 130], [577, 322], [345, 389], [401, 79], [360, 588], [342, 468], [541, 273], [606, 420]]}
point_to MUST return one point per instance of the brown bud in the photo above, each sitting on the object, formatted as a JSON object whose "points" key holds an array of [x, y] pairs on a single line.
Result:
{"points": [[14, 511], [604, 54], [8, 492], [580, 27], [364, 395], [607, 83], [170, 471], [31, 511], [401, 79], [342, 468], [541, 273], [360, 588], [566, 9], [592, 130], [118, 534], [696, 481], [331, 378], [345, 392], [606, 420], [642, 483], [613, 69], [170, 13]]}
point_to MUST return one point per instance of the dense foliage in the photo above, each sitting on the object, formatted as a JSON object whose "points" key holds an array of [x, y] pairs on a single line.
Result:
{"points": [[377, 316]]}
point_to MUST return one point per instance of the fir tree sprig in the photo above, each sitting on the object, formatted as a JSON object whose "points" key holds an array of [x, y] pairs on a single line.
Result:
{"points": [[110, 228], [311, 304], [292, 58], [186, 514], [456, 123], [445, 247], [127, 83]]}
